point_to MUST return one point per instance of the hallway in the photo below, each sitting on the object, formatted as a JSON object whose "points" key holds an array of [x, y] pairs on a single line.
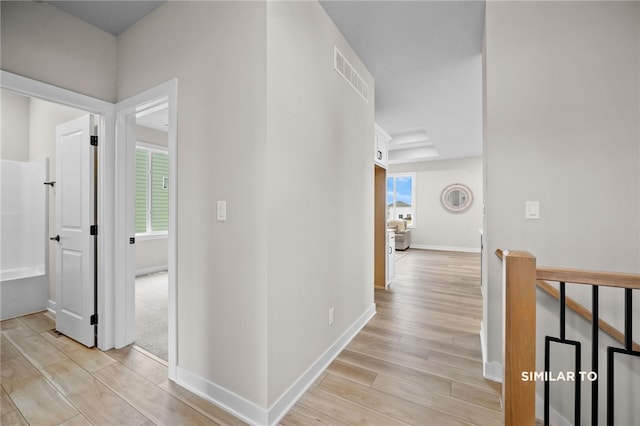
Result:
{"points": [[418, 361]]}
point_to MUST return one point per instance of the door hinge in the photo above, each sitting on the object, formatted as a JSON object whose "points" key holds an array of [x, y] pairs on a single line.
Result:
{"points": [[93, 319], [94, 140], [93, 230]]}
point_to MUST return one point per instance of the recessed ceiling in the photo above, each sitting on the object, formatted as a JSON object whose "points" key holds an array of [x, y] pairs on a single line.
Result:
{"points": [[426, 58], [111, 16]]}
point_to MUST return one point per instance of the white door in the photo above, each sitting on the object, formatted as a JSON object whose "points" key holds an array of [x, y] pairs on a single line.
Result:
{"points": [[75, 216]]}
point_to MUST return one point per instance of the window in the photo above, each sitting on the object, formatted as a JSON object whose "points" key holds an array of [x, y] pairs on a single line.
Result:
{"points": [[401, 195], [152, 191]]}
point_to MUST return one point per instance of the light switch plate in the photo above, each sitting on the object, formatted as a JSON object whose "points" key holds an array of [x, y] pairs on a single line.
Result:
{"points": [[532, 210], [222, 211]]}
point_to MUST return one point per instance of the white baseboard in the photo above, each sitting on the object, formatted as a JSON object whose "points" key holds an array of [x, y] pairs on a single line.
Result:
{"points": [[254, 414], [554, 417], [445, 248], [483, 343], [492, 371], [145, 271], [233, 403], [291, 396], [51, 306]]}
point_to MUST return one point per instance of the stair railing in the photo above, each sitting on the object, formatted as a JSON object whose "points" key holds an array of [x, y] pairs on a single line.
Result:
{"points": [[519, 318]]}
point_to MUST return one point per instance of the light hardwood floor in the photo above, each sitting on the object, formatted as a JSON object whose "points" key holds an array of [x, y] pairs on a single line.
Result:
{"points": [[417, 362], [48, 379]]}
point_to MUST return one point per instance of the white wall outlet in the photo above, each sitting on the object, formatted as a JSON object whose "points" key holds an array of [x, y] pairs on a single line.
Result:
{"points": [[332, 315], [532, 210], [222, 211]]}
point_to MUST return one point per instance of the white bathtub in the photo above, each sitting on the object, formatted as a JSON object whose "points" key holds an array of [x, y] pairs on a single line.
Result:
{"points": [[23, 291], [24, 243]]}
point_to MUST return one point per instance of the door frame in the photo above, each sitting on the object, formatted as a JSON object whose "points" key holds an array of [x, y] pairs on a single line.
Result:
{"points": [[106, 189], [125, 112]]}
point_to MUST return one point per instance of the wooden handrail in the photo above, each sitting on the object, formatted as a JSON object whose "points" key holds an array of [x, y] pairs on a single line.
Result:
{"points": [[583, 276], [578, 276], [568, 275]]}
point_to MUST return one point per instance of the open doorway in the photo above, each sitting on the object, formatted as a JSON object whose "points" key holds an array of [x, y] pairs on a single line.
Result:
{"points": [[145, 235], [50, 144], [152, 230]]}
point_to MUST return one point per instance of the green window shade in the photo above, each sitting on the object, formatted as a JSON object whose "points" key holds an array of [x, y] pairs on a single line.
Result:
{"points": [[159, 192], [142, 167]]}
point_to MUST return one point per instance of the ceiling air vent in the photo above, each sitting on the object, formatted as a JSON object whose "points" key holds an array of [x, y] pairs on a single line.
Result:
{"points": [[345, 69]]}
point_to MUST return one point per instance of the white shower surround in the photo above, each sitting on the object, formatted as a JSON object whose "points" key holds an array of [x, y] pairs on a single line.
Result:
{"points": [[23, 237]]}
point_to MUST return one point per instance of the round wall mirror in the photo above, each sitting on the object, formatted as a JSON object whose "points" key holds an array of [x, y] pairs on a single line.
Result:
{"points": [[456, 198]]}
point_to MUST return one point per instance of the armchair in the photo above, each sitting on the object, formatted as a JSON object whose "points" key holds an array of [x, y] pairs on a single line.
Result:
{"points": [[403, 234]]}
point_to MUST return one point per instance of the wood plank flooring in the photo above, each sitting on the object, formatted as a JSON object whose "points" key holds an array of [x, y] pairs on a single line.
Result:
{"points": [[417, 362], [49, 379]]}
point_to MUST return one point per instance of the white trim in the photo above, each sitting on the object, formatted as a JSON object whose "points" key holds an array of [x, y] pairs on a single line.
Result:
{"points": [[492, 371], [106, 189], [280, 408], [483, 344], [254, 414], [51, 306], [224, 398], [153, 269], [154, 236], [126, 111], [152, 147], [445, 248], [554, 417]]}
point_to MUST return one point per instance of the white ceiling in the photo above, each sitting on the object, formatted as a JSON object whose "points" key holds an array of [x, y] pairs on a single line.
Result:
{"points": [[157, 119], [426, 58], [111, 16]]}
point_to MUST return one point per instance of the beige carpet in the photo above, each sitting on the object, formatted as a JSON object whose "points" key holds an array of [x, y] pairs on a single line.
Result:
{"points": [[151, 313]]}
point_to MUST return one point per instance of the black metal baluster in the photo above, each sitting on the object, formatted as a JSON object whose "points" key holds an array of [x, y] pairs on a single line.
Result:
{"points": [[547, 361], [628, 350], [562, 311], [628, 322], [578, 385], [594, 355], [609, 386]]}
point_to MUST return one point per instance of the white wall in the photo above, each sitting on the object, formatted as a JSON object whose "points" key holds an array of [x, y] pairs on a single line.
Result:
{"points": [[44, 43], [14, 139], [151, 254], [562, 109], [252, 306], [262, 293], [320, 138], [436, 227], [217, 51]]}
